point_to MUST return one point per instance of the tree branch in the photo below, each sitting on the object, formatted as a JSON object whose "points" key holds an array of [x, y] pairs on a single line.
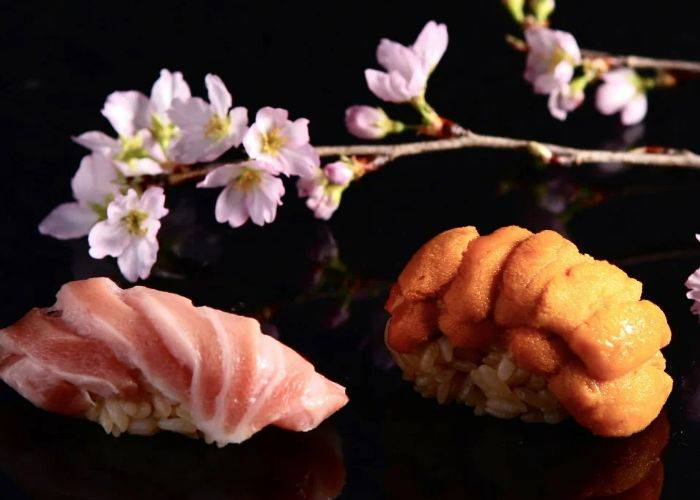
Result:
{"points": [[552, 154], [639, 62]]}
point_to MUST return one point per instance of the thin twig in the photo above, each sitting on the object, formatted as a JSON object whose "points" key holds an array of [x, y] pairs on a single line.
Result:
{"points": [[550, 153], [639, 62]]}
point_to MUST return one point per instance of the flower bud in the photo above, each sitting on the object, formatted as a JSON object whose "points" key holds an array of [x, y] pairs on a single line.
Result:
{"points": [[367, 122], [542, 9], [338, 173], [516, 9]]}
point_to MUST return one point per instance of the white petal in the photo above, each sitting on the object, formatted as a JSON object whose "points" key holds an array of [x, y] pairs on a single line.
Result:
{"points": [[189, 114], [67, 221], [272, 187], [153, 202], [138, 258], [95, 180], [127, 112], [141, 166], [231, 207], [189, 148], [297, 132], [219, 96], [98, 142], [612, 97], [220, 176], [239, 124], [303, 161], [252, 141], [431, 44], [169, 86], [635, 111], [396, 57], [268, 118], [107, 238]]}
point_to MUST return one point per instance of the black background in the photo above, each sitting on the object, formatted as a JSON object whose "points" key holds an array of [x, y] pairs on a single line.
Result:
{"points": [[60, 62]]}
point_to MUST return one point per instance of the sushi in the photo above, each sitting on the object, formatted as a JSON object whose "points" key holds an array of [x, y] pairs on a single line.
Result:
{"points": [[522, 325], [142, 361]]}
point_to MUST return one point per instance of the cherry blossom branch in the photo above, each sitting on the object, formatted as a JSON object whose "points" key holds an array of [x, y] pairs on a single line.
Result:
{"points": [[640, 62], [553, 154]]}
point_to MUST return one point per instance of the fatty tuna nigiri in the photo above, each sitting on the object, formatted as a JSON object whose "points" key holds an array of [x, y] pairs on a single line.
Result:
{"points": [[141, 361]]}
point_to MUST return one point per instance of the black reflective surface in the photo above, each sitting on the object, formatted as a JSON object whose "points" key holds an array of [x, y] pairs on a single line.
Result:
{"points": [[320, 287]]}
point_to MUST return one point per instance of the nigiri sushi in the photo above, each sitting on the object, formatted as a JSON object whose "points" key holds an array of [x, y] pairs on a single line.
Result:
{"points": [[517, 324], [141, 361]]}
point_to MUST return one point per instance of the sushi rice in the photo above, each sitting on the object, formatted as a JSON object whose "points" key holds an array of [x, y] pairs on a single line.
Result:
{"points": [[491, 383], [144, 418]]}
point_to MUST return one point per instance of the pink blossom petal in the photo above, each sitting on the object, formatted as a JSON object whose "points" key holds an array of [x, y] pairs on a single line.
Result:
{"points": [[297, 132], [138, 258], [390, 88], [612, 97], [239, 124], [140, 166], [303, 161], [219, 96], [220, 176], [268, 118], [153, 201], [95, 180], [127, 112], [189, 114], [98, 142], [431, 44], [635, 110], [396, 57], [107, 238], [231, 207], [169, 86], [253, 140], [68, 221]]}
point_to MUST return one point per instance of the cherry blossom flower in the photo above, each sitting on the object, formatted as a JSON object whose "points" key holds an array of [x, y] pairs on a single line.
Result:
{"points": [[207, 130], [281, 143], [166, 89], [622, 91], [129, 232], [551, 59], [94, 185], [325, 189], [693, 284], [135, 152], [367, 122], [564, 100], [250, 191], [407, 68]]}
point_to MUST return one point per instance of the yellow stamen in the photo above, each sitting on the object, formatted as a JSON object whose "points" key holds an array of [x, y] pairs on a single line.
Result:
{"points": [[217, 128], [273, 141], [248, 179], [133, 220]]}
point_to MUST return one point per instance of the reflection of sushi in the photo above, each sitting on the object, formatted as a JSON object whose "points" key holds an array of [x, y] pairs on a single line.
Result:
{"points": [[516, 462], [141, 361], [272, 464], [517, 324]]}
